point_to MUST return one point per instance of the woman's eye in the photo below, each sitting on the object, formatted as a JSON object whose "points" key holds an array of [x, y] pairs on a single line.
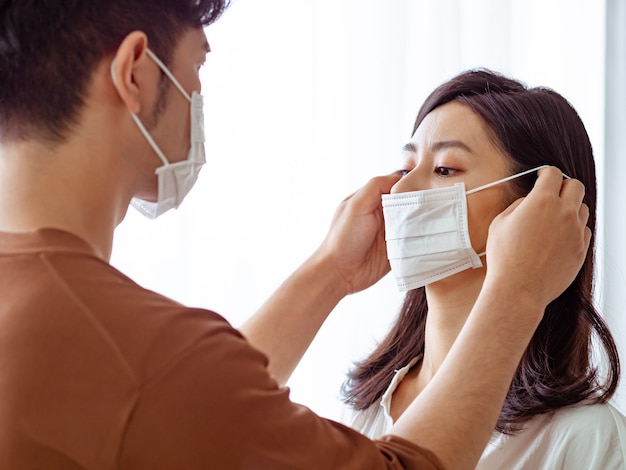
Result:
{"points": [[404, 172], [443, 171]]}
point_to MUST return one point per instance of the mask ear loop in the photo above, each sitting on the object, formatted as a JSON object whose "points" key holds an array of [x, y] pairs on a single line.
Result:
{"points": [[140, 125], [169, 74], [503, 180], [508, 178]]}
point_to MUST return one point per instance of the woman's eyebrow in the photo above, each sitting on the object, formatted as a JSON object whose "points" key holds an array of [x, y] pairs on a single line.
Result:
{"points": [[446, 144], [437, 146], [410, 147]]}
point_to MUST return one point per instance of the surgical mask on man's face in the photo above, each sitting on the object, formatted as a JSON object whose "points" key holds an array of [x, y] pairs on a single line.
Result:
{"points": [[427, 233], [174, 180]]}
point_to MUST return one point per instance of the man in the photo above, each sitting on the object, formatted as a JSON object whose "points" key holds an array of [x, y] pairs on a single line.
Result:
{"points": [[98, 100]]}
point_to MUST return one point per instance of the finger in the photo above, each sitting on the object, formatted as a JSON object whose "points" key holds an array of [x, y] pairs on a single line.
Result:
{"points": [[587, 238], [386, 182], [349, 197], [375, 188], [549, 179], [573, 189], [583, 213]]}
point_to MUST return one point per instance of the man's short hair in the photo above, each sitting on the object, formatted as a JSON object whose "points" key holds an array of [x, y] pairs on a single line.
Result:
{"points": [[49, 50]]}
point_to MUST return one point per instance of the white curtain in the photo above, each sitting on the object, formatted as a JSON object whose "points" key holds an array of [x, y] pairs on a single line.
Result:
{"points": [[613, 279], [305, 101]]}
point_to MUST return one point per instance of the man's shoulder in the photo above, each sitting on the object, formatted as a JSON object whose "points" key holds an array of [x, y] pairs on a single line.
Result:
{"points": [[69, 294]]}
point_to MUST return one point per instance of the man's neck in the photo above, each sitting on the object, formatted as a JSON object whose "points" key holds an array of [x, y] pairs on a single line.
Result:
{"points": [[55, 187]]}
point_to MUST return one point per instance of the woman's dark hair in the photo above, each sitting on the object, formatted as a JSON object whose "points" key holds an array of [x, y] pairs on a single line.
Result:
{"points": [[49, 49], [533, 127]]}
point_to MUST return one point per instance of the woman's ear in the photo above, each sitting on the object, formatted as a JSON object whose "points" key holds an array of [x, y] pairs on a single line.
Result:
{"points": [[127, 68]]}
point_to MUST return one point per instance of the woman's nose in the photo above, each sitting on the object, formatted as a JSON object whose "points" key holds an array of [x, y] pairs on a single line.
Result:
{"points": [[409, 182]]}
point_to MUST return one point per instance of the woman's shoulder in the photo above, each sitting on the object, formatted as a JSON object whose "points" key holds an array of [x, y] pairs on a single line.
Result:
{"points": [[581, 436], [594, 434], [376, 420], [582, 418]]}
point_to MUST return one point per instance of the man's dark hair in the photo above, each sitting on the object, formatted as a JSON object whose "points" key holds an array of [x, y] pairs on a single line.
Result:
{"points": [[50, 48]]}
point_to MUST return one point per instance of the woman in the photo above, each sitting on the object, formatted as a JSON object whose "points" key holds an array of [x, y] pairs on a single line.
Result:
{"points": [[479, 128]]}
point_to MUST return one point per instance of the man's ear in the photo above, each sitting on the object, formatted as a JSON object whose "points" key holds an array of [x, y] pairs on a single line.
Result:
{"points": [[127, 68]]}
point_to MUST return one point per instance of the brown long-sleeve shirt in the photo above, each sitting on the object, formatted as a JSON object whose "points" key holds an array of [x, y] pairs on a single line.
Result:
{"points": [[99, 373]]}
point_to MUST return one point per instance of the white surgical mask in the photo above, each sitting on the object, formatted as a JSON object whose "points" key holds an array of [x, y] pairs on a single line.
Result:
{"points": [[174, 180], [427, 233]]}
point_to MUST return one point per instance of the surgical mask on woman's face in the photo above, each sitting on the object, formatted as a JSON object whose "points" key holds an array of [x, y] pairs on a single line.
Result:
{"points": [[174, 180], [427, 233]]}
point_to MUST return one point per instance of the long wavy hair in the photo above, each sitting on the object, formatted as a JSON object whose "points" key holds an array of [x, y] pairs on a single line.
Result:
{"points": [[532, 127]]}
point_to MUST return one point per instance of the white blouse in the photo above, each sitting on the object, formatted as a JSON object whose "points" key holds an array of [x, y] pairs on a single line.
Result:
{"points": [[582, 437]]}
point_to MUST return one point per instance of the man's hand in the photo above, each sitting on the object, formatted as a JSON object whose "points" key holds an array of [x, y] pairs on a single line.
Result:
{"points": [[352, 257], [355, 243], [538, 244]]}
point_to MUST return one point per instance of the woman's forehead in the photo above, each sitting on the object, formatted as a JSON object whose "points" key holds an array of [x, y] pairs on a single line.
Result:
{"points": [[455, 123]]}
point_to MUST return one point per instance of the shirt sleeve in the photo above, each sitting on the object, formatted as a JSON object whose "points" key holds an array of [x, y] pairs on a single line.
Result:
{"points": [[215, 406]]}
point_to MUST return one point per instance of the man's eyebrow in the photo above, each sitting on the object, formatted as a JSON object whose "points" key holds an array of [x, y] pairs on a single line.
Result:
{"points": [[441, 145]]}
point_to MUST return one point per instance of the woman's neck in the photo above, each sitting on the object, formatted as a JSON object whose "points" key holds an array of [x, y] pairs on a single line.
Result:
{"points": [[449, 304]]}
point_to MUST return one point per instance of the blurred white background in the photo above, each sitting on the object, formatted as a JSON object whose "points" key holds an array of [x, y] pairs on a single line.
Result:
{"points": [[306, 100]]}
